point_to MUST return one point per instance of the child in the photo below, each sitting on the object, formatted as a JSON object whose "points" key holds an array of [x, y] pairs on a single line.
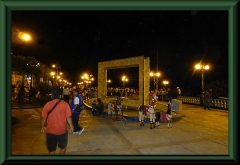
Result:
{"points": [[169, 114], [112, 107], [158, 117], [94, 110], [151, 113], [142, 109]]}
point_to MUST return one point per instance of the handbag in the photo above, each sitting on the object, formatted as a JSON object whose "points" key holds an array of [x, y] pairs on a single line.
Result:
{"points": [[80, 108]]}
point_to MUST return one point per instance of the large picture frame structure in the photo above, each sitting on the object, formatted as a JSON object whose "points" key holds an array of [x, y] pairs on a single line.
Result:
{"points": [[144, 78]]}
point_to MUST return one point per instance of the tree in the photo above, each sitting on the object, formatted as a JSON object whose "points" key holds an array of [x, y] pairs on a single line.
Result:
{"points": [[219, 88], [26, 66]]}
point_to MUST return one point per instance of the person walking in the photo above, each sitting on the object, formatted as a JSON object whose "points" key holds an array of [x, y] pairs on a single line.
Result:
{"points": [[206, 99], [66, 93], [57, 114], [77, 101], [169, 114]]}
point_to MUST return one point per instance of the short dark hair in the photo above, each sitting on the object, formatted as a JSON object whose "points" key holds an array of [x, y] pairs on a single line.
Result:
{"points": [[56, 93], [76, 90]]}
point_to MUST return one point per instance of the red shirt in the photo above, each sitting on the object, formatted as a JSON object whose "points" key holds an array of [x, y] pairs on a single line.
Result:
{"points": [[144, 109], [57, 119]]}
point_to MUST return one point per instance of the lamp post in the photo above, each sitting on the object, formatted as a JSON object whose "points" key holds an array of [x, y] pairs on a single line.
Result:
{"points": [[124, 79], [203, 68], [108, 91], [91, 79], [165, 83], [87, 78], [31, 82], [59, 77], [154, 75], [26, 38], [57, 66], [53, 76]]}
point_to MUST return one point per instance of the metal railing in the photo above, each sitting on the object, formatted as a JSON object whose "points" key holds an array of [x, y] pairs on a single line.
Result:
{"points": [[215, 103]]}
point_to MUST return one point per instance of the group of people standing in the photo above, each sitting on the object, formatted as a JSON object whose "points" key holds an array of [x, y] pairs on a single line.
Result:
{"points": [[57, 114], [86, 93], [116, 107], [154, 116]]}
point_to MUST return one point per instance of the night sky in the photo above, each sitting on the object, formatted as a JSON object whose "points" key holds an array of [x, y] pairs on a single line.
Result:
{"points": [[81, 39]]}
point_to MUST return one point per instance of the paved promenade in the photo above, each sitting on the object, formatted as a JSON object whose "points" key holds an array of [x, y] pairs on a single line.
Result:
{"points": [[196, 132]]}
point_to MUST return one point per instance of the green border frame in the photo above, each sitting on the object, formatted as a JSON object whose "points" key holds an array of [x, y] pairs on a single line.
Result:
{"points": [[6, 6]]}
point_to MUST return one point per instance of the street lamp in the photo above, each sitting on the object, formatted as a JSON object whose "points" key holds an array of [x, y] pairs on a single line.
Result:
{"points": [[57, 76], [80, 84], [91, 80], [154, 75], [165, 91], [124, 79], [24, 36], [53, 76], [107, 89], [203, 68], [87, 78], [165, 83]]}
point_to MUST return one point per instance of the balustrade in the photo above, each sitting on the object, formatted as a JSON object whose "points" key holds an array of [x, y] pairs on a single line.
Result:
{"points": [[216, 103]]}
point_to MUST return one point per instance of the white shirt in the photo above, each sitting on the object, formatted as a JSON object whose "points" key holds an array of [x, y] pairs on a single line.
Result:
{"points": [[151, 110], [76, 100]]}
